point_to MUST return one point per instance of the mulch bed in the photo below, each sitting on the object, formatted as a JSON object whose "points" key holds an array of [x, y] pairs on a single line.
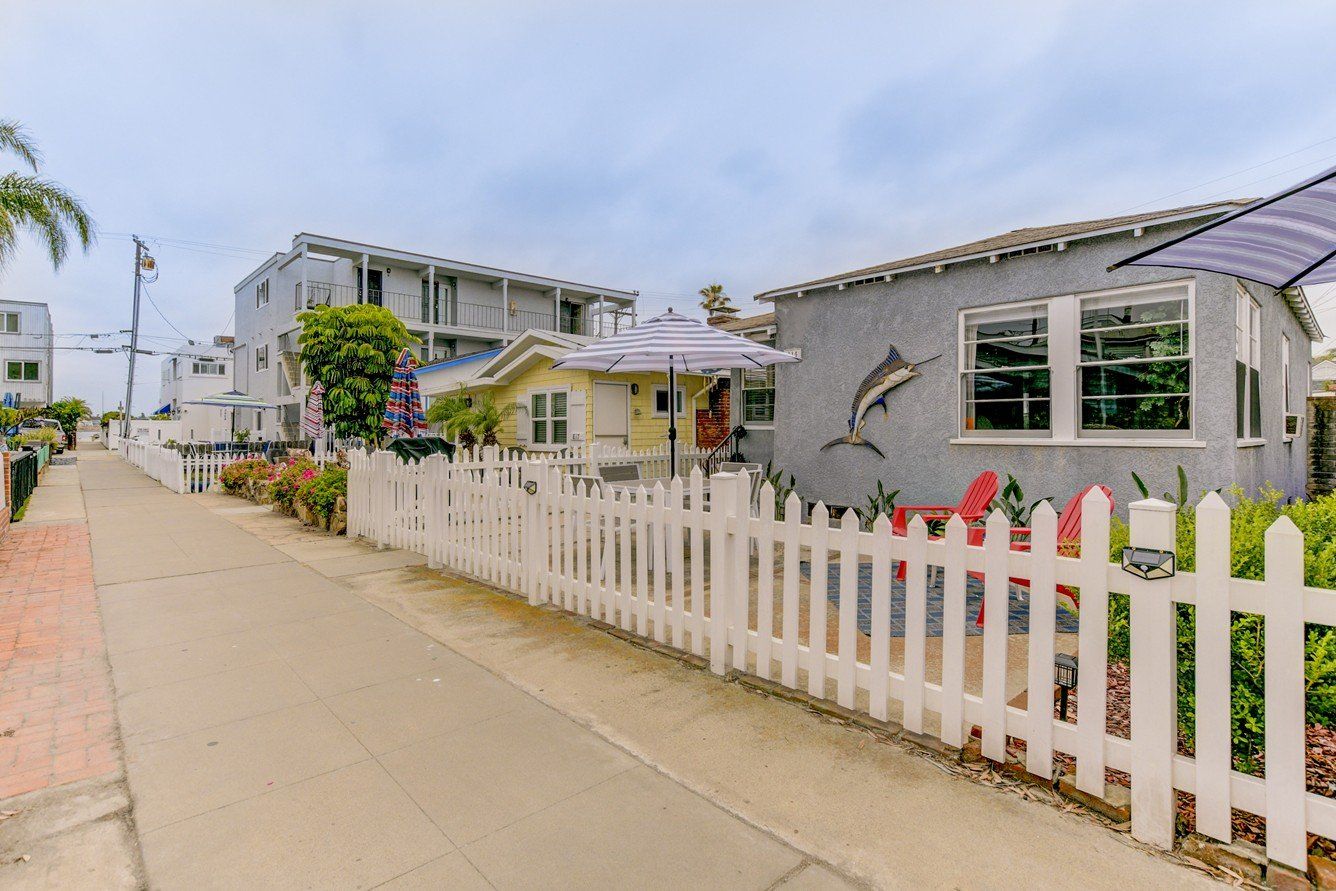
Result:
{"points": [[1321, 765]]}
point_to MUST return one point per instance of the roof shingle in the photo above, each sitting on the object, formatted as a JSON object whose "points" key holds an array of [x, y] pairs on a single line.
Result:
{"points": [[1008, 240]]}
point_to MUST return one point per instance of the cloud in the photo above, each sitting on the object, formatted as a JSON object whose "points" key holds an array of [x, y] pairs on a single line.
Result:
{"points": [[644, 146]]}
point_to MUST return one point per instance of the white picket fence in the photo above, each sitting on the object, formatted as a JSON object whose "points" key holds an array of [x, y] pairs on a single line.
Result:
{"points": [[585, 459], [181, 473], [672, 566]]}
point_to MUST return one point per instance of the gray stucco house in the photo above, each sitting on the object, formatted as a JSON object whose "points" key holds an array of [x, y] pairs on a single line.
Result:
{"points": [[1049, 367]]}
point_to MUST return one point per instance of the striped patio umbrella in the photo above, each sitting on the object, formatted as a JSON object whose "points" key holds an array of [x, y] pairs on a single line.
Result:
{"points": [[403, 412], [675, 344], [313, 419], [1286, 240]]}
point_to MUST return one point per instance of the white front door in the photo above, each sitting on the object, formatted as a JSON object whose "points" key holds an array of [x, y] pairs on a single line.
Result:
{"points": [[612, 413]]}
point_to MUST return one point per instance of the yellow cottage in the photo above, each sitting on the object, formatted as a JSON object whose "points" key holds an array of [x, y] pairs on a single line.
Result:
{"points": [[554, 409]]}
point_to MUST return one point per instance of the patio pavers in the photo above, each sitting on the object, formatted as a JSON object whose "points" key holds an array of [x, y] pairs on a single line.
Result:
{"points": [[57, 720], [1018, 620]]}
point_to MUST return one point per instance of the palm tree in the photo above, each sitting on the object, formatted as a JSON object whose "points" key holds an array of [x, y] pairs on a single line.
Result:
{"points": [[715, 302], [36, 204]]}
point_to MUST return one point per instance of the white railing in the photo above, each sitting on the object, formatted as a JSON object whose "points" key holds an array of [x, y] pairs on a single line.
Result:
{"points": [[640, 560], [587, 458]]}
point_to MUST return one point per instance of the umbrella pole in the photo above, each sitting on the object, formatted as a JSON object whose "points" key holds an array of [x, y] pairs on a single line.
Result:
{"points": [[672, 419]]}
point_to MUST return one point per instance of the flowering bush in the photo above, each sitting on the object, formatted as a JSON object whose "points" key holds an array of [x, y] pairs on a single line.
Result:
{"points": [[285, 479], [321, 493], [236, 478]]}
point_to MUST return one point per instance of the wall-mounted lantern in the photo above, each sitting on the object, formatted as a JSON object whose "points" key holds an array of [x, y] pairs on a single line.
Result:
{"points": [[1148, 563]]}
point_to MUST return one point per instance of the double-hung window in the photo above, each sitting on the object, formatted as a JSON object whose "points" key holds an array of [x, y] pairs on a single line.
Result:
{"points": [[1247, 366], [1105, 365], [1005, 384], [758, 395], [262, 294], [1134, 364], [262, 358], [22, 371], [547, 414]]}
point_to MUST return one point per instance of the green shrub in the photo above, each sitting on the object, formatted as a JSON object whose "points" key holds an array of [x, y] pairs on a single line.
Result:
{"points": [[236, 477], [1249, 521], [38, 436], [321, 492]]}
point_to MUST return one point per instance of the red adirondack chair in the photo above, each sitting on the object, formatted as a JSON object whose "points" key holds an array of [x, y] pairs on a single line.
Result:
{"points": [[1069, 540], [973, 505]]}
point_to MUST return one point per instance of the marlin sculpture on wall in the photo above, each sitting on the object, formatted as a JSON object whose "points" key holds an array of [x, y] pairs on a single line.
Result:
{"points": [[891, 373]]}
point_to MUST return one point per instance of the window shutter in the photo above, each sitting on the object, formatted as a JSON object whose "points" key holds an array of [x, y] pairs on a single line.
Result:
{"points": [[575, 416], [523, 425]]}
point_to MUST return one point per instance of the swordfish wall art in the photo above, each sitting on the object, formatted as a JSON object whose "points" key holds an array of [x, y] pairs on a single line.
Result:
{"points": [[889, 374]]}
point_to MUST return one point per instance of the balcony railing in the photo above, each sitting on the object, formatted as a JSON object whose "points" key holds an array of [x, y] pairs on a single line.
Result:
{"points": [[416, 308]]}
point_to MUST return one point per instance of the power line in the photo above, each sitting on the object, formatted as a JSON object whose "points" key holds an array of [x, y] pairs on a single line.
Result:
{"points": [[1229, 175], [158, 310]]}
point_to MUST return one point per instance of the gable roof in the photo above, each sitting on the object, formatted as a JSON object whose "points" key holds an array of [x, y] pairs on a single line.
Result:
{"points": [[1013, 240], [743, 323]]}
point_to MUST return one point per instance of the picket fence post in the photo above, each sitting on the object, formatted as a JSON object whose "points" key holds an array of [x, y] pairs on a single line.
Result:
{"points": [[1212, 652], [721, 507], [1286, 820], [1093, 642], [1154, 637]]}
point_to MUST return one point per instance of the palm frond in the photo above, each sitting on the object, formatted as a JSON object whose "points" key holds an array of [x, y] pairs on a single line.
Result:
{"points": [[14, 138], [44, 208]]}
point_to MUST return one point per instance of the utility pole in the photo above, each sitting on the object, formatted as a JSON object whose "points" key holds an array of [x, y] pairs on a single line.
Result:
{"points": [[140, 251]]}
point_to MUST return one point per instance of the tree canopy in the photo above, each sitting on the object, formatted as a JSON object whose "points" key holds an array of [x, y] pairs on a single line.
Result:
{"points": [[351, 350], [69, 412], [715, 302]]}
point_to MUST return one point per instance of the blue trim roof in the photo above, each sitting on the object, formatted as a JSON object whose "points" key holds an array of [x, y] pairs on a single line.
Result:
{"points": [[460, 360]]}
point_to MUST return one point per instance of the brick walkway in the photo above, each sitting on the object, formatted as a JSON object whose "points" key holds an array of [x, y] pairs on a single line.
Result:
{"points": [[57, 723]]}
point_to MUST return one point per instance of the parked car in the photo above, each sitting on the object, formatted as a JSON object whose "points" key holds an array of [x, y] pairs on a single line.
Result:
{"points": [[39, 423]]}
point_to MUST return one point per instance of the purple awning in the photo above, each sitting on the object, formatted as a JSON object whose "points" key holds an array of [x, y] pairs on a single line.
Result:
{"points": [[1286, 240]]}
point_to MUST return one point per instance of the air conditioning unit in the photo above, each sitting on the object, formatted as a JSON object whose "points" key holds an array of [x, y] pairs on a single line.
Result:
{"points": [[1294, 424]]}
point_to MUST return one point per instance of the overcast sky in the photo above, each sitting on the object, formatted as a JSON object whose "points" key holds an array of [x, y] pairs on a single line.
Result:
{"points": [[648, 146]]}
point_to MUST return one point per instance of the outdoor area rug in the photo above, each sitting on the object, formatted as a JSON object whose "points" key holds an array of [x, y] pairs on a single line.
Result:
{"points": [[1018, 621]]}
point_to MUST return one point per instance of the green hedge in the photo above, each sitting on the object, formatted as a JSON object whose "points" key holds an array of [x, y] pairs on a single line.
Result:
{"points": [[1249, 521]]}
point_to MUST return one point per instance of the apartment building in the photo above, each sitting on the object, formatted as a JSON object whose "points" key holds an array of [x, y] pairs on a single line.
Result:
{"points": [[26, 353], [452, 308], [206, 372]]}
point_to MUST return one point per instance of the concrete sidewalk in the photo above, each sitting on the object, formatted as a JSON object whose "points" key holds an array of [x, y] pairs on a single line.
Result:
{"points": [[281, 731]]}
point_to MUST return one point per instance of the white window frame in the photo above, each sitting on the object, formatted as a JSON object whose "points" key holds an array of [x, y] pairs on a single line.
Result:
{"points": [[1285, 386], [4, 322], [202, 366], [21, 363], [1064, 342], [1190, 356], [547, 419], [768, 373], [962, 323], [663, 389], [262, 358], [1248, 350], [262, 293]]}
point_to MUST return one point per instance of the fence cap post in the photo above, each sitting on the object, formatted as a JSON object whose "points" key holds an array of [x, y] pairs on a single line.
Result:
{"points": [[1153, 505]]}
